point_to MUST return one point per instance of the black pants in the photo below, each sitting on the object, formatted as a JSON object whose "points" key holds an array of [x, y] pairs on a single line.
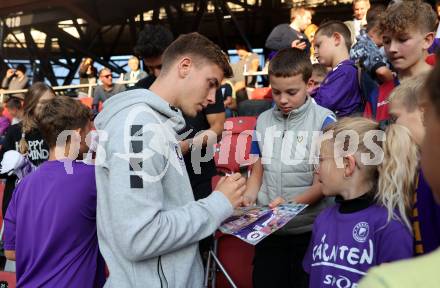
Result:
{"points": [[278, 261]]}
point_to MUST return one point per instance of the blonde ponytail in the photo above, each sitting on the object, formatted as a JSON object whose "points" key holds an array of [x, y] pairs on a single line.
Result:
{"points": [[27, 126], [23, 146], [397, 173]]}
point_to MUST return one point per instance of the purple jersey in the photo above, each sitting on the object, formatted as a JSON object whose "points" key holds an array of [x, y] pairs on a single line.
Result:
{"points": [[425, 218], [51, 224], [345, 245], [340, 91]]}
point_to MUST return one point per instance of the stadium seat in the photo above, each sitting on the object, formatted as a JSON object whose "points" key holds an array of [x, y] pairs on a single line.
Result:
{"points": [[253, 107], [6, 113], [235, 257], [232, 153], [88, 101], [261, 93], [214, 181], [431, 59], [7, 280]]}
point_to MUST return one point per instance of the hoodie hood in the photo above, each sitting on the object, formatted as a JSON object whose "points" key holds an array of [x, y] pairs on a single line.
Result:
{"points": [[127, 99]]}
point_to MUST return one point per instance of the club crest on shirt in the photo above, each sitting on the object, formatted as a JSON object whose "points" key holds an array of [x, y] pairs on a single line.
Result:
{"points": [[361, 231]]}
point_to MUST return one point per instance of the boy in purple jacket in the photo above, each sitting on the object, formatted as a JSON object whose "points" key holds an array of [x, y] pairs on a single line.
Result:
{"points": [[50, 224], [340, 91]]}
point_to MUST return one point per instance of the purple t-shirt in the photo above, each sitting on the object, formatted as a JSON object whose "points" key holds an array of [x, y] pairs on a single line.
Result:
{"points": [[340, 91], [51, 224], [345, 245]]}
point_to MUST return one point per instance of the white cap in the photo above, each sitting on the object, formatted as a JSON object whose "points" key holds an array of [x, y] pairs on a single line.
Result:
{"points": [[11, 161]]}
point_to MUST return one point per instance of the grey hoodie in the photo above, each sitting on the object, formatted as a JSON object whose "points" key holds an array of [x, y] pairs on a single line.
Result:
{"points": [[148, 222]]}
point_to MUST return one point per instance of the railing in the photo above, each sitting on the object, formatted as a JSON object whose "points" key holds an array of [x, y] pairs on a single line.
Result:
{"points": [[256, 73], [89, 87]]}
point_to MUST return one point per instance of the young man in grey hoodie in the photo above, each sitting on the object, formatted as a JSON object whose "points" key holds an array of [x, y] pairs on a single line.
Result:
{"points": [[148, 222]]}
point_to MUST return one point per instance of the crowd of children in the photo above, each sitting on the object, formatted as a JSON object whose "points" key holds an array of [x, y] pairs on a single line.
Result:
{"points": [[368, 206]]}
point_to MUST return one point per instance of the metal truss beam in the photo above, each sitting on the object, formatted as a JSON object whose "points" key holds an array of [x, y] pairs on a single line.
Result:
{"points": [[75, 44], [202, 5], [237, 26]]}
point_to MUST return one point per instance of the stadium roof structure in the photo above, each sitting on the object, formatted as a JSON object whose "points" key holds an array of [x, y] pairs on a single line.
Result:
{"points": [[46, 31]]}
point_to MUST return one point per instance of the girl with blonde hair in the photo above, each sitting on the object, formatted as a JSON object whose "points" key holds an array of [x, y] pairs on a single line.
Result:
{"points": [[371, 173]]}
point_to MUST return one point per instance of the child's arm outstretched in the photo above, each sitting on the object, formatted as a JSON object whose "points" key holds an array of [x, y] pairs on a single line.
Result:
{"points": [[310, 196], [253, 184]]}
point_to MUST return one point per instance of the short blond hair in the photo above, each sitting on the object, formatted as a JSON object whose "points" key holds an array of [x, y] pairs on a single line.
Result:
{"points": [[133, 58], [104, 69], [294, 12], [357, 1]]}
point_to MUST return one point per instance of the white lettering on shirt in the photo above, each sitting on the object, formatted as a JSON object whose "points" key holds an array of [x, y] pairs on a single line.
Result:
{"points": [[353, 256]]}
